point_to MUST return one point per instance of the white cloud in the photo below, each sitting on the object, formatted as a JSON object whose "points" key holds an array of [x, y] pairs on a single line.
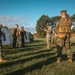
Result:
{"points": [[30, 29], [21, 21], [7, 20]]}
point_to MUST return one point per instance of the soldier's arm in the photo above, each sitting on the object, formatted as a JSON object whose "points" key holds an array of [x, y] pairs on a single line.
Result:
{"points": [[13, 32], [45, 30]]}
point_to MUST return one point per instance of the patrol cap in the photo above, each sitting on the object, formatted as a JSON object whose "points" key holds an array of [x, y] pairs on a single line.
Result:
{"points": [[64, 11]]}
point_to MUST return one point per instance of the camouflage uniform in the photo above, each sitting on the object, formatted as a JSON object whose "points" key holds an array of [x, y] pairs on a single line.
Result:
{"points": [[18, 42], [22, 38], [22, 34], [53, 39], [63, 37], [1, 56], [48, 38], [15, 35]]}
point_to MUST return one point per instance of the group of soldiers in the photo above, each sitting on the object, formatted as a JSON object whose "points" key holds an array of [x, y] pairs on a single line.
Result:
{"points": [[61, 36], [18, 39], [18, 36]]}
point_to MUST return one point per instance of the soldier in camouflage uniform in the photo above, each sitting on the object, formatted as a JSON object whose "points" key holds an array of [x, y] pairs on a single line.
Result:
{"points": [[48, 35], [63, 36], [22, 34], [53, 39], [15, 34], [1, 48]]}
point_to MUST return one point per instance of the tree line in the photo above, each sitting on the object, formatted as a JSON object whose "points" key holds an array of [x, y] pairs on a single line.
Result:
{"points": [[41, 23]]}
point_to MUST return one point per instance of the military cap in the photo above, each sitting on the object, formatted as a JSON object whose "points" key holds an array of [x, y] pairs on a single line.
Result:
{"points": [[63, 11]]}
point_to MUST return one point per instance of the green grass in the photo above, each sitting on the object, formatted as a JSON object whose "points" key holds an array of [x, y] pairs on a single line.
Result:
{"points": [[35, 59]]}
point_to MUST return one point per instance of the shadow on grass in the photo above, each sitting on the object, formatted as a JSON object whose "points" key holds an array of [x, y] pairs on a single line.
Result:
{"points": [[37, 45], [24, 49], [64, 57], [28, 54], [18, 50], [73, 44], [23, 60], [74, 56], [35, 66], [37, 41], [10, 46]]}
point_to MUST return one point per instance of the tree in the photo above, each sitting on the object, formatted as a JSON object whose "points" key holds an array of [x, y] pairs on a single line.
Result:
{"points": [[73, 18], [73, 30], [41, 24], [73, 23], [55, 18]]}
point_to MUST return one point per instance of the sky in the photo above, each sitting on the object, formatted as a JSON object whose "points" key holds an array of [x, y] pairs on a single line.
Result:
{"points": [[27, 12]]}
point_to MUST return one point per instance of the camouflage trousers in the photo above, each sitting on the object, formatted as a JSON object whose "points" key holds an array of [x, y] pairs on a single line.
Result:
{"points": [[64, 42], [20, 41], [14, 41], [48, 44], [53, 40]]}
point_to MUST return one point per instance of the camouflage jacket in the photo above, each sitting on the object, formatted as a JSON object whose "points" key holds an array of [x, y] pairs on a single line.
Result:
{"points": [[63, 28], [63, 25], [15, 32], [48, 33]]}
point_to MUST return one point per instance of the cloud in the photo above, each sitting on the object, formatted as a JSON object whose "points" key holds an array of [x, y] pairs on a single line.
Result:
{"points": [[21, 21], [9, 21], [30, 29]]}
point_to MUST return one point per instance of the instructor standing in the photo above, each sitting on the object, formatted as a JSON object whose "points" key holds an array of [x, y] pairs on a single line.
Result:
{"points": [[63, 36]]}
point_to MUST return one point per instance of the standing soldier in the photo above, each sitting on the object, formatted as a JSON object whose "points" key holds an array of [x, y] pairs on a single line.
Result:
{"points": [[53, 39], [1, 49], [15, 33], [48, 35], [63, 36], [22, 34]]}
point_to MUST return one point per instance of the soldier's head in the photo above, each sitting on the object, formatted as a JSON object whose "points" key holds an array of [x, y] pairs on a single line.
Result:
{"points": [[22, 28], [16, 26], [47, 24], [1, 25], [63, 14]]}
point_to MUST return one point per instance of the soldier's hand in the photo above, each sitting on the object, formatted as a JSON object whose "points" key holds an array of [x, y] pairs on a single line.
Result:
{"points": [[44, 29]]}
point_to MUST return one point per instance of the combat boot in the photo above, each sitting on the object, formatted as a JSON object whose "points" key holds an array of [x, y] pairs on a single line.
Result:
{"points": [[70, 60], [2, 60], [58, 60]]}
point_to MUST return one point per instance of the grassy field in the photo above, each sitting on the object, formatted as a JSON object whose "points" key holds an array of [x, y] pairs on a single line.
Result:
{"points": [[35, 59]]}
